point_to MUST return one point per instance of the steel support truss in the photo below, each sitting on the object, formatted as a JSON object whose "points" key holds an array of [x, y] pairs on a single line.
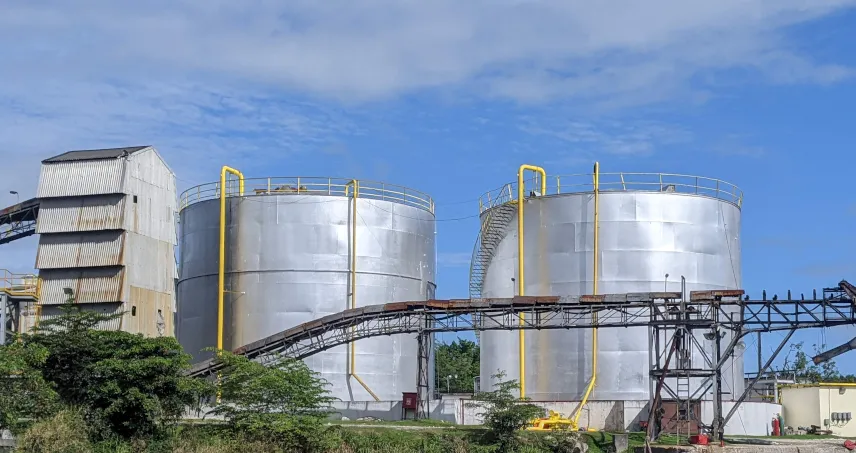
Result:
{"points": [[18, 221], [722, 315]]}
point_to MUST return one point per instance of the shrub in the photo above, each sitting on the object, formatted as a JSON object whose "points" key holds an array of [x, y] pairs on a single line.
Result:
{"points": [[283, 401], [127, 385], [65, 432], [503, 413]]}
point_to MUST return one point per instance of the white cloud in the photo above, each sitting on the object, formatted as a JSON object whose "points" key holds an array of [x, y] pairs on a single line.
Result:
{"points": [[204, 80], [525, 50]]}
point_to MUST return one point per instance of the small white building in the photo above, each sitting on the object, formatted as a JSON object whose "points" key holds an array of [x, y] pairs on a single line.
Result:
{"points": [[107, 236], [828, 405]]}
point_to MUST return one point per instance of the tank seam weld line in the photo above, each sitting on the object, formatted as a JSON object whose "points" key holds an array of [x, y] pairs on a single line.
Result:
{"points": [[326, 271]]}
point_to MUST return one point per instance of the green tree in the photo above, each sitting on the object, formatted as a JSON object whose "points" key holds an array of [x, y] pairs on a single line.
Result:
{"points": [[282, 400], [127, 385], [24, 394], [805, 369], [459, 359], [503, 413]]}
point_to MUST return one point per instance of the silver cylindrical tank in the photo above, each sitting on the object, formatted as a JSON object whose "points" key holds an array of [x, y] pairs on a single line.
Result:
{"points": [[288, 261], [665, 224]]}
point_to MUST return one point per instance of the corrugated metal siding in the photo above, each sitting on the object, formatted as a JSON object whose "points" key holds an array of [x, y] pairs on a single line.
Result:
{"points": [[94, 177], [89, 285], [53, 311], [62, 215], [90, 249]]}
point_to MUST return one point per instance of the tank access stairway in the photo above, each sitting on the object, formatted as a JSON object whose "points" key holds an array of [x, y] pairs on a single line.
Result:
{"points": [[19, 295], [493, 230], [19, 221]]}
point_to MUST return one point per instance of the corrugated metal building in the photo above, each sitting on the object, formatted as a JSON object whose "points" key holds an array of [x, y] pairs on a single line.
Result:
{"points": [[107, 233]]}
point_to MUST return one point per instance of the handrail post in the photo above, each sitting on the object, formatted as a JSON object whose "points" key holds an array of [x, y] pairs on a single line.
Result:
{"points": [[520, 265], [221, 275]]}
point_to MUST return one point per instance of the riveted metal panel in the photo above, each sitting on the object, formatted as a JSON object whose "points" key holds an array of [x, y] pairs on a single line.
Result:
{"points": [[89, 249], [95, 213], [288, 263], [75, 178], [93, 285], [643, 236]]}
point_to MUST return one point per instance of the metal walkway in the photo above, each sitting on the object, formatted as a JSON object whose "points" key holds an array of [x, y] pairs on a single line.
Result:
{"points": [[19, 221], [19, 296], [707, 313], [835, 308]]}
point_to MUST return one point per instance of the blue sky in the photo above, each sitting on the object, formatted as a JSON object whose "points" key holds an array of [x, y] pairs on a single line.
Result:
{"points": [[449, 97]]}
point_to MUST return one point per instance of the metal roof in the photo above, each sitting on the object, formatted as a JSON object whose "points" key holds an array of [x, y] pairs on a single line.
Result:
{"points": [[94, 154]]}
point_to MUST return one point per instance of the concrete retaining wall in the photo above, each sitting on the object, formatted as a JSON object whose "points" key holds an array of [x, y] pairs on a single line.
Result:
{"points": [[752, 418]]}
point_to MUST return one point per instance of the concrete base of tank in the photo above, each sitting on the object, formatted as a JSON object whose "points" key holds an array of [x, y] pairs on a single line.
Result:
{"points": [[751, 419]]}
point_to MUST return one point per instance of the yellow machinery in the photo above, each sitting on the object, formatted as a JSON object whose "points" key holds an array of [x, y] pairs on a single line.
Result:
{"points": [[552, 421]]}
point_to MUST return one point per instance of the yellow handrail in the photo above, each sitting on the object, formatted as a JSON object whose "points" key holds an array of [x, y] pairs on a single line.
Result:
{"points": [[520, 270], [221, 275], [353, 271], [593, 380]]}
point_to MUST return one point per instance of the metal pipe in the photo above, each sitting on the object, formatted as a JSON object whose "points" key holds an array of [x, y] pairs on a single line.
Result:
{"points": [[353, 278], [221, 275], [520, 281], [593, 380]]}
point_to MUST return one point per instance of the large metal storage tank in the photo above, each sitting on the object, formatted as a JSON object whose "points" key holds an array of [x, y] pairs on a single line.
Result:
{"points": [[288, 261], [650, 226]]}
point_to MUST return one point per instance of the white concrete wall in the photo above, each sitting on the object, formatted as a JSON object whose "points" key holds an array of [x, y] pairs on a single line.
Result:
{"points": [[751, 418], [444, 410], [603, 415], [838, 399], [806, 406]]}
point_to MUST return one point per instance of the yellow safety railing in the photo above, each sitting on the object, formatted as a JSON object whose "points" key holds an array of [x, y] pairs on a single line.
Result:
{"points": [[623, 182], [311, 185], [20, 285], [521, 288]]}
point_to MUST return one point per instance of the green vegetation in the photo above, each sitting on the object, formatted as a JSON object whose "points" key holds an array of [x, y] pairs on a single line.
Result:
{"points": [[460, 360], [806, 371], [70, 387], [284, 402], [126, 385], [503, 413]]}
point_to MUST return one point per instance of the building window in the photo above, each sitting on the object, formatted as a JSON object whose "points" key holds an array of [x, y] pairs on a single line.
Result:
{"points": [[135, 198], [134, 310]]}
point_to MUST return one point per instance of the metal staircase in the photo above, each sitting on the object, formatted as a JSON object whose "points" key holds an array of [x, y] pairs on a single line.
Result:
{"points": [[494, 228]]}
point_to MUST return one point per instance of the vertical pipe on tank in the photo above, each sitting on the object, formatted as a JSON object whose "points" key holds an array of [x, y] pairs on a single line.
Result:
{"points": [[353, 272], [593, 380], [520, 281], [221, 275]]}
